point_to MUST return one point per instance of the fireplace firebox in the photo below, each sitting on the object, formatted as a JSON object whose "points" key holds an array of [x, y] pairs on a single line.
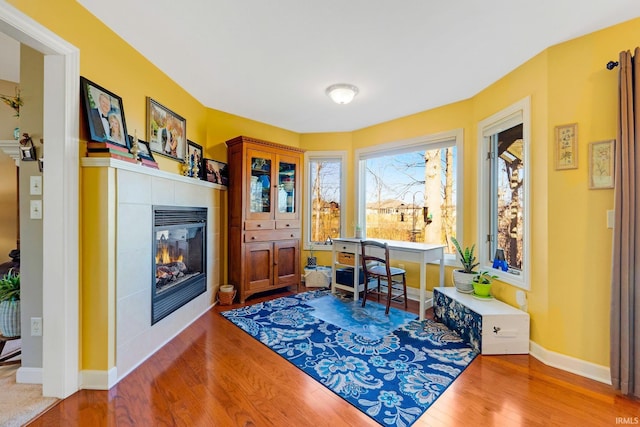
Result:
{"points": [[179, 256]]}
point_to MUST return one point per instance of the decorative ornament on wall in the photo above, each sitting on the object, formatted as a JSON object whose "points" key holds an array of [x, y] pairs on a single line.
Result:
{"points": [[14, 102], [27, 149]]}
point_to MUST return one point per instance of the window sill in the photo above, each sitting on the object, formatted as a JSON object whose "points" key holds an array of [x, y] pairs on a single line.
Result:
{"points": [[517, 280]]}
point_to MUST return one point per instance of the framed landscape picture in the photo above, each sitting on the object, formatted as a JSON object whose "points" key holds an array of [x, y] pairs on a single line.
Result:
{"points": [[105, 114], [166, 131]]}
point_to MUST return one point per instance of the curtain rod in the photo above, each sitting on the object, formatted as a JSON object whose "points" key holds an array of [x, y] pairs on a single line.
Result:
{"points": [[612, 64]]}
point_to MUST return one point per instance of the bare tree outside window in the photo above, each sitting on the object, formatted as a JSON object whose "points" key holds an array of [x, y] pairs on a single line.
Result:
{"points": [[325, 200], [411, 196]]}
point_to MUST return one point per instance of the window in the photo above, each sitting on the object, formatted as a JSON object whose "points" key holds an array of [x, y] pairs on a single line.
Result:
{"points": [[504, 197], [410, 190], [325, 187]]}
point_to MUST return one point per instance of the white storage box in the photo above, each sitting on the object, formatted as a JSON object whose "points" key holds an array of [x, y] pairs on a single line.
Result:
{"points": [[503, 329], [318, 277]]}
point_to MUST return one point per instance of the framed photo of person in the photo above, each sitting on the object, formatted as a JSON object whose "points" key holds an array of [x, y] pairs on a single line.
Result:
{"points": [[166, 131], [216, 172], [194, 157], [105, 114]]}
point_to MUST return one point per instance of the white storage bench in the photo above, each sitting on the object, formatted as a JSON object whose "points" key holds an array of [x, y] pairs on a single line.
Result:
{"points": [[491, 327]]}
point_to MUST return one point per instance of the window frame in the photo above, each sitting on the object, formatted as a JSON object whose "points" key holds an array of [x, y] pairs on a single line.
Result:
{"points": [[496, 123], [310, 156], [426, 142]]}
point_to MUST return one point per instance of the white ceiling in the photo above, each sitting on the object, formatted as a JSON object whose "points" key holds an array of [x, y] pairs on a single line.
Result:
{"points": [[272, 60]]}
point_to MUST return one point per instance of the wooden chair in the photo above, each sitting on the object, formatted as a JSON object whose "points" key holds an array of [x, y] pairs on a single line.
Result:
{"points": [[383, 273]]}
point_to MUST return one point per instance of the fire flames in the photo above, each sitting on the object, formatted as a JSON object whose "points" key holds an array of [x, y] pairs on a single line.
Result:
{"points": [[163, 257]]}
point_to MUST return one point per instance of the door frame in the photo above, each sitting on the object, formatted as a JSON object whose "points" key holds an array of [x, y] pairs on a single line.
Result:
{"points": [[60, 281]]}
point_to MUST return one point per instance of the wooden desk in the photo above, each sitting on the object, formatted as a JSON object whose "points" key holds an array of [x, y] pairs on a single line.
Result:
{"points": [[421, 253]]}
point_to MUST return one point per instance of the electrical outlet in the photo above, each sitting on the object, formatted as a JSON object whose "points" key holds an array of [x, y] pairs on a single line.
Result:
{"points": [[36, 326]]}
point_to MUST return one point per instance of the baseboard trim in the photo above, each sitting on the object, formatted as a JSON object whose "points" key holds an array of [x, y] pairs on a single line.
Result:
{"points": [[29, 375], [414, 295], [98, 380], [570, 364]]}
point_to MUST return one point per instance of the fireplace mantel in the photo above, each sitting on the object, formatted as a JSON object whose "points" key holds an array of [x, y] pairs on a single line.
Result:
{"points": [[100, 162], [117, 228]]}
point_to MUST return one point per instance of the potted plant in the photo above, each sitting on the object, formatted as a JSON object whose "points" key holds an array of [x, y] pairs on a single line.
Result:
{"points": [[10, 305], [463, 278], [311, 259], [482, 284]]}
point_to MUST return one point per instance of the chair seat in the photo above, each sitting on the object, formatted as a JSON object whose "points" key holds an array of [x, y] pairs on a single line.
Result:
{"points": [[377, 274], [381, 270]]}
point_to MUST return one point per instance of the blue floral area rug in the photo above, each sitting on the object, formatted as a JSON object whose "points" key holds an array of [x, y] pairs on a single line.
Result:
{"points": [[393, 379], [368, 321]]}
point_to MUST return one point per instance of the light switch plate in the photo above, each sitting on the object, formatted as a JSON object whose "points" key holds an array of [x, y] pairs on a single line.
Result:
{"points": [[36, 209], [610, 219], [35, 185]]}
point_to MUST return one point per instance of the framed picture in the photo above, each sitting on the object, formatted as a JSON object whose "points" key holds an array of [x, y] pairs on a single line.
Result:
{"points": [[144, 150], [216, 172], [566, 151], [194, 154], [105, 114], [601, 164], [166, 131]]}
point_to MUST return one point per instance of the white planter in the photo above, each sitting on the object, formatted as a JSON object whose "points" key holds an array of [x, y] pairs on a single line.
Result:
{"points": [[10, 318], [463, 281]]}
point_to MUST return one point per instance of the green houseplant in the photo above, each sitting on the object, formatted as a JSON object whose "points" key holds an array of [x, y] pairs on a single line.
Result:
{"points": [[482, 284], [10, 305], [463, 278]]}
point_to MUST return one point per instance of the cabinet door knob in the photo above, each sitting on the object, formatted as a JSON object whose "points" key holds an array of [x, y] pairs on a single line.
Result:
{"points": [[287, 225], [344, 248], [292, 235], [259, 225], [253, 237]]}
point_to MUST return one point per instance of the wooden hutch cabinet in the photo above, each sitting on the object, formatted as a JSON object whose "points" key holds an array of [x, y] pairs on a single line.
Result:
{"points": [[264, 215]]}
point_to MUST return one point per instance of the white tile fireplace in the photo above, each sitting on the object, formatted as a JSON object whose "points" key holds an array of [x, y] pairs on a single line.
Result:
{"points": [[118, 248]]}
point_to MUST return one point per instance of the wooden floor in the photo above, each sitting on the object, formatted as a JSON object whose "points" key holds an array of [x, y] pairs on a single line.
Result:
{"points": [[213, 374]]}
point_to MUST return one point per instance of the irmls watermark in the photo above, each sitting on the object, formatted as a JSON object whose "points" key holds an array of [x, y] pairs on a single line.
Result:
{"points": [[627, 420]]}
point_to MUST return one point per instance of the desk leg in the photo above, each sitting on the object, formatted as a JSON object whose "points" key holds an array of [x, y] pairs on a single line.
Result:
{"points": [[423, 287]]}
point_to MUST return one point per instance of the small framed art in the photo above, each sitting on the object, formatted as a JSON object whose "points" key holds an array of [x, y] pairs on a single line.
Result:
{"points": [[566, 150], [105, 114], [194, 157], [601, 164], [144, 151], [216, 172], [166, 131]]}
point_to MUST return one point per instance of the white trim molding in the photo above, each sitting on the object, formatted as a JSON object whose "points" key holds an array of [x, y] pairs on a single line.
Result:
{"points": [[98, 380], [11, 149], [570, 364], [29, 375], [60, 282]]}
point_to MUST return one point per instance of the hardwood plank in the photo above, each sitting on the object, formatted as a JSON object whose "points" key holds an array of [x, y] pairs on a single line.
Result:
{"points": [[213, 374]]}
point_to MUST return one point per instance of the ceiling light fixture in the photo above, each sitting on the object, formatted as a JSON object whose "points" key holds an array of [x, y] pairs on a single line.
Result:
{"points": [[342, 93]]}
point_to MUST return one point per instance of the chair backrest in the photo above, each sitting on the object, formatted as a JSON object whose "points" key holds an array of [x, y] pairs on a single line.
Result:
{"points": [[366, 256]]}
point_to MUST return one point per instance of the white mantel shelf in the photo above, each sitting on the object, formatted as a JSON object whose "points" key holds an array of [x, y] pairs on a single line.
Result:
{"points": [[101, 162]]}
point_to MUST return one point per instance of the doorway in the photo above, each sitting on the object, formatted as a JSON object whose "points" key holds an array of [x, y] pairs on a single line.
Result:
{"points": [[60, 283]]}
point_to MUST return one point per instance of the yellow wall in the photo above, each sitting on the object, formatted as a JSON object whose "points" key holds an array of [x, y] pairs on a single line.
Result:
{"points": [[569, 295]]}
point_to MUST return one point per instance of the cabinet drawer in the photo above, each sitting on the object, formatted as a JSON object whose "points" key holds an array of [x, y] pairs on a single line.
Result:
{"points": [[258, 225], [265, 236], [286, 224], [347, 247]]}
